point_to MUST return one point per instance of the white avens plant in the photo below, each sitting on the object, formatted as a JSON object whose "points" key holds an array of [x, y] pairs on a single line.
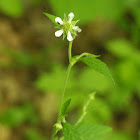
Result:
{"points": [[67, 27]]}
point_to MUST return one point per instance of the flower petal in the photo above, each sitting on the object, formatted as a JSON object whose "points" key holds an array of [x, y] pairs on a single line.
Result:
{"points": [[76, 28], [69, 36], [59, 20], [71, 16], [59, 33]]}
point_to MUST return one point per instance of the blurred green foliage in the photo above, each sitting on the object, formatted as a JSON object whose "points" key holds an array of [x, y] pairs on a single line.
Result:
{"points": [[121, 136], [127, 70], [90, 9], [12, 8], [33, 134], [56, 77], [17, 115], [124, 62]]}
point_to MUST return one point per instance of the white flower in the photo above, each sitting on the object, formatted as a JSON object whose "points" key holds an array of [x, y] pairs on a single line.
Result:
{"points": [[59, 20], [69, 37], [67, 27], [71, 16], [76, 28], [59, 33]]}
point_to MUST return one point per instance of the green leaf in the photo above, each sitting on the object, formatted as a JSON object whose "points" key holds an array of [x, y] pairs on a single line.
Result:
{"points": [[85, 132], [51, 17], [97, 65], [92, 131], [12, 8], [65, 107], [70, 132]]}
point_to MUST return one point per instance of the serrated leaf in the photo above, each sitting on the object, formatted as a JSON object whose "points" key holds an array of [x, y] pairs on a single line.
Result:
{"points": [[70, 132], [51, 17], [92, 131], [65, 107], [97, 65]]}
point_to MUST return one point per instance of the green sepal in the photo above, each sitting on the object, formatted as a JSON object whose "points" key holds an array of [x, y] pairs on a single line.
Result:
{"points": [[64, 35], [65, 17], [74, 22], [58, 26], [74, 34]]}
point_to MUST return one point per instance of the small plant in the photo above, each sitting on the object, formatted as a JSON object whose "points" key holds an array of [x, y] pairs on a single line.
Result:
{"points": [[79, 131]]}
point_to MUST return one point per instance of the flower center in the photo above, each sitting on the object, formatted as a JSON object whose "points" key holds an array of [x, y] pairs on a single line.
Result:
{"points": [[67, 26]]}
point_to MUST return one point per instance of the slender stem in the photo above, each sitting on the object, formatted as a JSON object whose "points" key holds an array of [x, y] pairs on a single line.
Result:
{"points": [[81, 55], [62, 100], [69, 50], [84, 112], [86, 54], [67, 75], [65, 84], [64, 88]]}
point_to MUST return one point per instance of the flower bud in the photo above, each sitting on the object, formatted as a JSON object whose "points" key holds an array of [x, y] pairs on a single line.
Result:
{"points": [[58, 126]]}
